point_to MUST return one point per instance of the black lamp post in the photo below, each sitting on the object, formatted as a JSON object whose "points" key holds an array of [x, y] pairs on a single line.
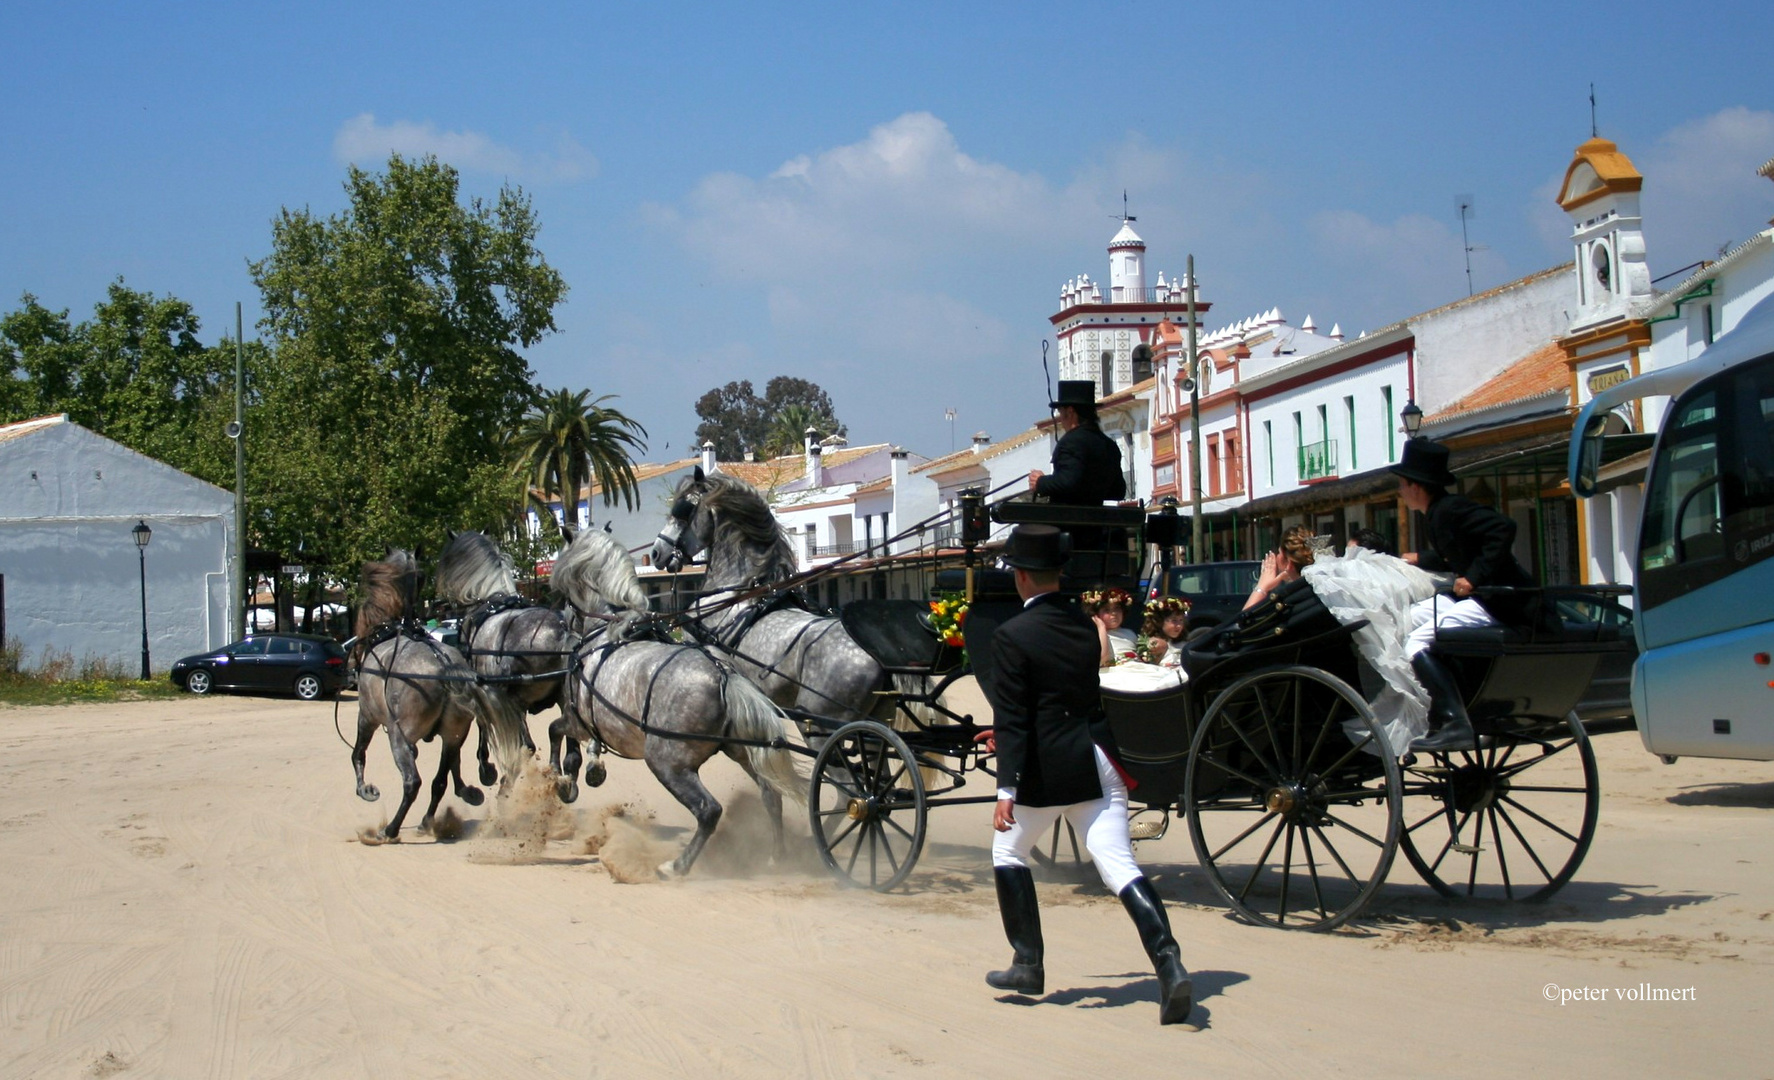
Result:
{"points": [[1412, 418], [142, 535]]}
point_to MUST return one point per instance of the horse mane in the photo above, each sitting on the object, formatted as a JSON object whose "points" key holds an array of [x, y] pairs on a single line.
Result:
{"points": [[744, 540], [385, 586], [595, 572], [472, 569]]}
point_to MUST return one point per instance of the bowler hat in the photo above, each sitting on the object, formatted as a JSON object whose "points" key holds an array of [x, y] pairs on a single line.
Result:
{"points": [[1426, 462], [1075, 392], [1037, 547]]}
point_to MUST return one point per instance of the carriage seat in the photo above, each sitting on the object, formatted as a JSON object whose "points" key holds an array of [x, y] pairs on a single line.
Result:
{"points": [[898, 634], [1570, 636], [1152, 732]]}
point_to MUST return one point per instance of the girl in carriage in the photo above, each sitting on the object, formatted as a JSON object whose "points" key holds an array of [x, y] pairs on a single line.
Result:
{"points": [[1161, 638], [1107, 608]]}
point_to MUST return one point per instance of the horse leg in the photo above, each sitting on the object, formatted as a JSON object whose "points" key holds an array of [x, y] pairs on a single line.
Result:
{"points": [[566, 772], [488, 775], [366, 730], [772, 800], [468, 794], [406, 759], [686, 787]]}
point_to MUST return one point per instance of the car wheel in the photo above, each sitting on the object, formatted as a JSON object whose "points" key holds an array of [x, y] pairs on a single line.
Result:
{"points": [[198, 682], [307, 686]]}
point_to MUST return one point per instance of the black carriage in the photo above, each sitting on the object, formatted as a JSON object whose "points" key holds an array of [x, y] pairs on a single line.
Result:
{"points": [[1295, 800]]}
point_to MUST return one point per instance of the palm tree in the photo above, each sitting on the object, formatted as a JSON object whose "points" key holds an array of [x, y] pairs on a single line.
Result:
{"points": [[789, 427], [566, 442]]}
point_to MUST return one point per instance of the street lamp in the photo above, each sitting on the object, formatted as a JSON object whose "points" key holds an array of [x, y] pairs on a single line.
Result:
{"points": [[1412, 418], [142, 535]]}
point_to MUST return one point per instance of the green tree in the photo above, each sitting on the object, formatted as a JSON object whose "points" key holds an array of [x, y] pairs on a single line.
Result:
{"points": [[567, 442], [788, 429], [395, 326], [737, 420]]}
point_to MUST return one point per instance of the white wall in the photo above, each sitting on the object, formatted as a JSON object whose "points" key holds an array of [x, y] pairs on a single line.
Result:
{"points": [[1463, 344], [73, 576], [1373, 423]]}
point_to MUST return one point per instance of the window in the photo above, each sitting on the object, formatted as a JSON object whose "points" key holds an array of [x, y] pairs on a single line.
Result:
{"points": [[1391, 428], [1234, 463], [1213, 465], [282, 646], [1324, 429], [250, 647], [1269, 449], [1349, 409]]}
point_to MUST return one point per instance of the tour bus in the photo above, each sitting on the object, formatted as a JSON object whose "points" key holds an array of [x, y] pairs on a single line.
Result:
{"points": [[1704, 584]]}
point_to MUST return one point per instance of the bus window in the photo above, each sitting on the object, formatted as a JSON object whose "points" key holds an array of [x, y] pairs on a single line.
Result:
{"points": [[1681, 509]]}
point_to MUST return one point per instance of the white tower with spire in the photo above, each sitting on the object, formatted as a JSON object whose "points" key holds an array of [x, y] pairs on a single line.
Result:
{"points": [[1127, 266], [1601, 194]]}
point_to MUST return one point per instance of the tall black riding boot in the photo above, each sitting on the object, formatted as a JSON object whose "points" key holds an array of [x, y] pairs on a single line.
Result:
{"points": [[1176, 992], [1449, 726], [1022, 925]]}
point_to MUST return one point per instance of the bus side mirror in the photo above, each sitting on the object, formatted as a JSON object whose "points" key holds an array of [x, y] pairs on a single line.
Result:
{"points": [[1589, 456]]}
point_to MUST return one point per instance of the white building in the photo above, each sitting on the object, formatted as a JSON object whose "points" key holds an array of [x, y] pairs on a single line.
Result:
{"points": [[1097, 333], [71, 576]]}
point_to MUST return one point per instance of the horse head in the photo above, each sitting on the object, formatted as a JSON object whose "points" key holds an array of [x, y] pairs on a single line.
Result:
{"points": [[678, 542]]}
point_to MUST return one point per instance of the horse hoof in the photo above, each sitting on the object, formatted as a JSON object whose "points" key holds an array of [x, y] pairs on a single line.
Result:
{"points": [[667, 870], [368, 793], [488, 775], [472, 796], [391, 834], [595, 774], [567, 789]]}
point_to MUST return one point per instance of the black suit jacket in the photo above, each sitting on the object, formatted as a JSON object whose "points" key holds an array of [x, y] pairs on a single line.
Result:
{"points": [[1046, 704], [1475, 542], [1086, 470]]}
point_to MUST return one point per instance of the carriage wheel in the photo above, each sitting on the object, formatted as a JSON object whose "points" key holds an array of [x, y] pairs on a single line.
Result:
{"points": [[867, 805], [1294, 799], [1512, 820]]}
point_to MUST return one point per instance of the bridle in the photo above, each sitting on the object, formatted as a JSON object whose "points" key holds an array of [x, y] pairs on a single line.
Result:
{"points": [[683, 547]]}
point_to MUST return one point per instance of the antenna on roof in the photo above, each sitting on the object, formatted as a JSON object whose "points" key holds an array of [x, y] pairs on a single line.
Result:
{"points": [[1125, 216], [1467, 211], [1594, 133]]}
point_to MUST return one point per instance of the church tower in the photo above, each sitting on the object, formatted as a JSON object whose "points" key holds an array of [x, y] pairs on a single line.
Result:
{"points": [[1127, 267], [1601, 194], [1098, 333]]}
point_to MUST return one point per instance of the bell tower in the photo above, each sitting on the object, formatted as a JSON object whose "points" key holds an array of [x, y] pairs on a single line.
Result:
{"points": [[1601, 194]]}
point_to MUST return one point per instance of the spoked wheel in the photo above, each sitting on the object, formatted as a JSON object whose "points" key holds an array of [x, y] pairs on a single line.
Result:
{"points": [[1511, 821], [867, 805], [1294, 799]]}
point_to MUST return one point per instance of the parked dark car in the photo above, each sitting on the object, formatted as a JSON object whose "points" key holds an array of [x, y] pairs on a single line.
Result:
{"points": [[1607, 706], [300, 664], [1215, 591]]}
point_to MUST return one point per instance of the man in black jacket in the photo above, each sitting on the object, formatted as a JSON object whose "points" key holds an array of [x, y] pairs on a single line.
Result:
{"points": [[1086, 463], [1056, 756], [1474, 542]]}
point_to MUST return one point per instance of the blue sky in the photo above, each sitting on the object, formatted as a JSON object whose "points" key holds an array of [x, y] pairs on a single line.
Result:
{"points": [[885, 201]]}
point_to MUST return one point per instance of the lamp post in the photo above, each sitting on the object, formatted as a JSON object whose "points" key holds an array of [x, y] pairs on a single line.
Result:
{"points": [[1412, 418], [142, 535]]}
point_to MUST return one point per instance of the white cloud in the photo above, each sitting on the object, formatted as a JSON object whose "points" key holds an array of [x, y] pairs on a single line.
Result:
{"points": [[363, 141], [1701, 189], [1384, 271]]}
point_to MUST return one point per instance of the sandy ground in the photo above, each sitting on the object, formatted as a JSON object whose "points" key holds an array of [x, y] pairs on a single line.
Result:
{"points": [[183, 893]]}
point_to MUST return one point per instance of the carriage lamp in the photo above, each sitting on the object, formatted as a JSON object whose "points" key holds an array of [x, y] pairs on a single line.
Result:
{"points": [[142, 535], [1412, 418]]}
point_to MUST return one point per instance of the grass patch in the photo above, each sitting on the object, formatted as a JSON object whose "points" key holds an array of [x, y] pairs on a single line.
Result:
{"points": [[61, 680]]}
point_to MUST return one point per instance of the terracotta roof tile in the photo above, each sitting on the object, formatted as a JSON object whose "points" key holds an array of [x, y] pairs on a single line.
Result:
{"points": [[1534, 375]]}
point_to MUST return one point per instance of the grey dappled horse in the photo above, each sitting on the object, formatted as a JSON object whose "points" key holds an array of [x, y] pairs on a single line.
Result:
{"points": [[620, 684], [521, 648], [417, 689], [802, 660]]}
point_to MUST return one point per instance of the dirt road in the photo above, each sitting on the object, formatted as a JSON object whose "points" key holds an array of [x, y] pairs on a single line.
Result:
{"points": [[184, 893]]}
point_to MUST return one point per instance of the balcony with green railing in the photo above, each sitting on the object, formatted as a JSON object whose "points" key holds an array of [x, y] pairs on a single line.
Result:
{"points": [[1318, 460]]}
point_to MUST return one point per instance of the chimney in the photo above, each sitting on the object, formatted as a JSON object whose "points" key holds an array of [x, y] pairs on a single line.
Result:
{"points": [[810, 447], [708, 457], [815, 474], [980, 441], [897, 471]]}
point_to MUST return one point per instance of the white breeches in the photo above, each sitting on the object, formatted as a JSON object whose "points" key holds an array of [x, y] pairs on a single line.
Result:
{"points": [[1436, 611], [1102, 822]]}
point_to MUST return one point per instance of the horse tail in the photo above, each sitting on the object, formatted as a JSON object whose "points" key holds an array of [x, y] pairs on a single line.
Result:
{"points": [[499, 714], [752, 715]]}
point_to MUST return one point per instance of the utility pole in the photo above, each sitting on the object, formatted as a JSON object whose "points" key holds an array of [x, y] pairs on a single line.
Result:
{"points": [[238, 429], [1194, 429]]}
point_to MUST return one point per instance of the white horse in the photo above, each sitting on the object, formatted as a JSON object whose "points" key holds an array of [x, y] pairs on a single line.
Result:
{"points": [[668, 704]]}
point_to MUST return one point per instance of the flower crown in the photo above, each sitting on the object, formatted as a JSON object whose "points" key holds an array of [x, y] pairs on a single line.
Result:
{"points": [[1167, 605], [1108, 597]]}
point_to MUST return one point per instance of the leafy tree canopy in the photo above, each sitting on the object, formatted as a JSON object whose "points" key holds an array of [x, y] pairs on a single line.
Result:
{"points": [[395, 326], [737, 420]]}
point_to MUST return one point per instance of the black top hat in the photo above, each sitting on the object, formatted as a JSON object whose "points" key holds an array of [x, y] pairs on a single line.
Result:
{"points": [[1426, 462], [1074, 392], [1037, 547]]}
